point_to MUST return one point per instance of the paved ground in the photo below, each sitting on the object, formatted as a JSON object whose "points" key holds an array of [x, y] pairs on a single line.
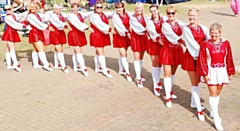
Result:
{"points": [[37, 100]]}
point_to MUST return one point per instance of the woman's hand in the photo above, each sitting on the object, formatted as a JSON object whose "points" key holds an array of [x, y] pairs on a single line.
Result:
{"points": [[160, 42], [51, 29], [69, 28], [129, 36], [91, 30]]}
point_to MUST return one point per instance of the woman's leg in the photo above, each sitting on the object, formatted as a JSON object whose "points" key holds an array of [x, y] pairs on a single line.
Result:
{"points": [[195, 89], [8, 59], [60, 57], [102, 61], [11, 47], [141, 63], [214, 98], [155, 74], [40, 47], [167, 84], [124, 61], [80, 59], [137, 68], [35, 58]]}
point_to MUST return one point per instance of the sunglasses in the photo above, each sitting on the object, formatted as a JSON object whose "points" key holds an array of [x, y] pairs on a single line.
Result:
{"points": [[7, 9], [169, 13], [99, 7]]}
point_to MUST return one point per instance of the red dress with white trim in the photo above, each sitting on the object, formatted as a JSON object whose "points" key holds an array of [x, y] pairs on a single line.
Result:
{"points": [[122, 26], [11, 34], [154, 47], [100, 37], [189, 64], [216, 62], [171, 53], [77, 37], [139, 37], [37, 27], [57, 36]]}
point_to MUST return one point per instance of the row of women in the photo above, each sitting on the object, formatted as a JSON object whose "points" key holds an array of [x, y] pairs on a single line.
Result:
{"points": [[207, 54]]}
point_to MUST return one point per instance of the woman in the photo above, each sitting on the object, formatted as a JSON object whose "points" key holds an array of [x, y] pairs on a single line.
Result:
{"points": [[194, 34], [171, 52], [58, 36], [120, 38], [77, 38], [11, 37], [235, 6], [139, 40], [215, 64], [36, 37], [154, 25], [100, 37]]}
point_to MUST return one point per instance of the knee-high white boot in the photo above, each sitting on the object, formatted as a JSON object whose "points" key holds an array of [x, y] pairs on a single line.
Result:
{"points": [[126, 67], [8, 61], [102, 62], [156, 89], [35, 60], [61, 58], [213, 102], [43, 58], [167, 86], [82, 64], [196, 98]]}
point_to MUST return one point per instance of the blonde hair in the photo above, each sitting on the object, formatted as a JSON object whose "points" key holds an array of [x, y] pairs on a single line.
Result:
{"points": [[216, 26], [58, 6], [32, 4], [193, 9], [171, 8], [139, 5]]}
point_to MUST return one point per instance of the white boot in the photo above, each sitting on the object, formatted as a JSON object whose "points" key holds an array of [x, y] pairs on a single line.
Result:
{"points": [[43, 58], [195, 90], [16, 65], [172, 82], [158, 78], [156, 89], [193, 104], [82, 64], [126, 67], [75, 63], [8, 61], [137, 69], [213, 101], [102, 62], [35, 60], [61, 58], [141, 64], [56, 61], [121, 71], [97, 66], [167, 86]]}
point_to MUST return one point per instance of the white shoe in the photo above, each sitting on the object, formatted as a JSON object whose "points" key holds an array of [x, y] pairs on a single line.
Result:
{"points": [[169, 102], [139, 83], [143, 79], [195, 106], [201, 116], [160, 85], [37, 66], [48, 68], [17, 67], [156, 91], [122, 72], [129, 78], [173, 95], [10, 67], [65, 70], [76, 69], [218, 126], [107, 74], [85, 72], [58, 66], [99, 70]]}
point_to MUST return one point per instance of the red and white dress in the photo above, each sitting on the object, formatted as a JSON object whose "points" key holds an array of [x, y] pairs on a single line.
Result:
{"points": [[139, 37], [171, 52], [12, 25], [58, 36], [193, 37], [122, 26], [36, 33], [100, 37], [76, 37], [216, 62], [155, 33]]}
